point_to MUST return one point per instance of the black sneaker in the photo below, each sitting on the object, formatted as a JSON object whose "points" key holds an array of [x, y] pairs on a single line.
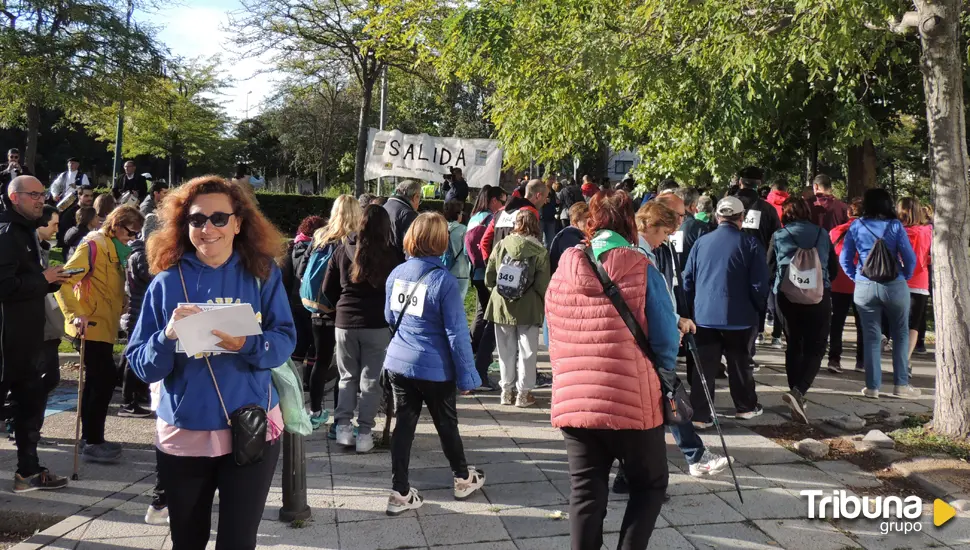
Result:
{"points": [[835, 367], [43, 480], [920, 348], [134, 410], [543, 380], [620, 484]]}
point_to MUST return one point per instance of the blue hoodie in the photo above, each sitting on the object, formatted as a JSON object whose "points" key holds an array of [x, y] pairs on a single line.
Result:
{"points": [[188, 396], [861, 237]]}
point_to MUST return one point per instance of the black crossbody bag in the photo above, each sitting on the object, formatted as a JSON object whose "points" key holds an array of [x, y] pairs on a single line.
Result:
{"points": [[676, 404], [247, 424]]}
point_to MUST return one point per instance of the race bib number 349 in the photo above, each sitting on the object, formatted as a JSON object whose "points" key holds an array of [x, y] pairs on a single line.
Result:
{"points": [[399, 296]]}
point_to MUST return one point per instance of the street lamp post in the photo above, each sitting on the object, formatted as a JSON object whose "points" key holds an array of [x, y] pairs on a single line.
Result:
{"points": [[120, 131], [247, 103]]}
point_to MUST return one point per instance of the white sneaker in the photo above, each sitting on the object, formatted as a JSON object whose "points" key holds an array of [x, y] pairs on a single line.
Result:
{"points": [[507, 398], [397, 503], [365, 443], [907, 391], [760, 340], [465, 487], [345, 435], [710, 464], [871, 394], [156, 516], [758, 411]]}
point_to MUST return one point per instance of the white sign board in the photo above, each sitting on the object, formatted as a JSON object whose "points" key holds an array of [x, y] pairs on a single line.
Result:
{"points": [[430, 158]]}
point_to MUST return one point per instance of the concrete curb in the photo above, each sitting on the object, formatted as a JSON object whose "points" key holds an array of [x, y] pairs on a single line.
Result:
{"points": [[61, 529], [940, 489]]}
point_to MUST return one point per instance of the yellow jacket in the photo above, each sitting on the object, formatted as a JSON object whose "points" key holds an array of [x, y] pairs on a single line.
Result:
{"points": [[100, 298]]}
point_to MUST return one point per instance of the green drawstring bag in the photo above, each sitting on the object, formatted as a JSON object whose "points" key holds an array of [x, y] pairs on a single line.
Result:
{"points": [[289, 386]]}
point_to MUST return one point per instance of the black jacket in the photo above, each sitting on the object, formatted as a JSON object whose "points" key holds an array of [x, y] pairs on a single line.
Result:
{"points": [[567, 238], [138, 184], [23, 291], [72, 239], [402, 216], [137, 279], [5, 178], [458, 191], [692, 229], [358, 305], [293, 266], [568, 196], [761, 219], [67, 220]]}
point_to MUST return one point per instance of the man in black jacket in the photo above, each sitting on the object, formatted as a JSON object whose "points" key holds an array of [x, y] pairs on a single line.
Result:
{"points": [[459, 187], [24, 285], [130, 181], [403, 209]]}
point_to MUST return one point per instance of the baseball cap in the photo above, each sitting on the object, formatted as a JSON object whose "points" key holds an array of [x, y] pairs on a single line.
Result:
{"points": [[729, 206]]}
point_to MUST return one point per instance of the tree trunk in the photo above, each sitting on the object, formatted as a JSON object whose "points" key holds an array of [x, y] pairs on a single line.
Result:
{"points": [[365, 105], [861, 161], [33, 130], [943, 87]]}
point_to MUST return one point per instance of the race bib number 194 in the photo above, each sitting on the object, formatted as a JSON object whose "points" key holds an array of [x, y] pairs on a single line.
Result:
{"points": [[399, 295]]}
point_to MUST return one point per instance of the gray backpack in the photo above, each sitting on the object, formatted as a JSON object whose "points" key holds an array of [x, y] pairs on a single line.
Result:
{"points": [[514, 278], [803, 282]]}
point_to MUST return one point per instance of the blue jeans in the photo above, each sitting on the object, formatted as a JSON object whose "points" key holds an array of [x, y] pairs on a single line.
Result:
{"points": [[874, 301], [549, 230], [689, 442]]}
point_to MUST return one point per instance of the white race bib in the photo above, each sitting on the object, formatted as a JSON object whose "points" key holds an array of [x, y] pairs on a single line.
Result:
{"points": [[506, 219], [804, 280], [752, 220], [509, 275], [677, 239], [400, 292]]}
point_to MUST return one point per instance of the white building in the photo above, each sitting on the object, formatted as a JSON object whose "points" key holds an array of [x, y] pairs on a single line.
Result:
{"points": [[620, 164]]}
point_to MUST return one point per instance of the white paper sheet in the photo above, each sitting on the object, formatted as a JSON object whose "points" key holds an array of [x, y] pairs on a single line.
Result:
{"points": [[195, 331]]}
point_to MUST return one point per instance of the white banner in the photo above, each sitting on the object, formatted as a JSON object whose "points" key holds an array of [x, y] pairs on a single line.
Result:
{"points": [[430, 158]]}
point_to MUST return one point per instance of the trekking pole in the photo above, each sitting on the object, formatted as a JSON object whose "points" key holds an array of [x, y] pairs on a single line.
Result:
{"points": [[692, 347], [77, 419]]}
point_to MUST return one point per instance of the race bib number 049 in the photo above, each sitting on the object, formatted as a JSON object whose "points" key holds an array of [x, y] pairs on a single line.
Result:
{"points": [[752, 220], [399, 296]]}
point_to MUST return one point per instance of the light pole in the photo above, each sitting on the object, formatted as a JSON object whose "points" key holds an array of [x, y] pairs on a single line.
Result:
{"points": [[247, 103], [120, 130]]}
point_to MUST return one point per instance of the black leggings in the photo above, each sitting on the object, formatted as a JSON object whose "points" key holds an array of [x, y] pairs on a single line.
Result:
{"points": [[409, 396], [190, 485], [483, 333], [325, 342], [591, 454], [99, 385]]}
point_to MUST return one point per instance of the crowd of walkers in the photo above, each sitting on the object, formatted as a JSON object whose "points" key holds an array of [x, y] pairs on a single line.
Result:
{"points": [[370, 297]]}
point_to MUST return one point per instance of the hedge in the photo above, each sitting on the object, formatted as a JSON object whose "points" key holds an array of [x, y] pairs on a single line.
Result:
{"points": [[287, 210]]}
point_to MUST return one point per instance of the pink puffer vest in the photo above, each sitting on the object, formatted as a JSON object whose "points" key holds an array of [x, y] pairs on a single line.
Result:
{"points": [[601, 379]]}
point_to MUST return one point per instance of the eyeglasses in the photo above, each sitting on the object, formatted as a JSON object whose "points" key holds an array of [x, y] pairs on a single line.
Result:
{"points": [[130, 231], [218, 219], [34, 195]]}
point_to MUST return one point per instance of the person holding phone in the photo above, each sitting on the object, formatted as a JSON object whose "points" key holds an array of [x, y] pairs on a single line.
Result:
{"points": [[214, 246], [24, 286]]}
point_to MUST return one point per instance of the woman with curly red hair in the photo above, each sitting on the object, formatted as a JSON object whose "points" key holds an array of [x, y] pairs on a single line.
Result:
{"points": [[214, 247]]}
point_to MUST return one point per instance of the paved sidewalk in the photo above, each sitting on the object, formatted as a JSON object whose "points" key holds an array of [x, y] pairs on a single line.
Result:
{"points": [[525, 462]]}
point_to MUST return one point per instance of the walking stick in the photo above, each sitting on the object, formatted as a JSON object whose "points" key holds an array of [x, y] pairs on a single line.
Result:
{"points": [[692, 346], [77, 418]]}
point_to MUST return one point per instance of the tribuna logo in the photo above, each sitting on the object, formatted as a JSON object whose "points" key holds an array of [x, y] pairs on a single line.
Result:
{"points": [[840, 505]]}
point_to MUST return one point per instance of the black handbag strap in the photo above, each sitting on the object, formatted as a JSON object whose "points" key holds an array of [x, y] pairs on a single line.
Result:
{"points": [[397, 324], [613, 293]]}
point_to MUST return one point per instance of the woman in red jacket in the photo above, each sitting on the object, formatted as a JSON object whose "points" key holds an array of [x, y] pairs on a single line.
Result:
{"points": [[842, 290], [910, 212], [606, 393]]}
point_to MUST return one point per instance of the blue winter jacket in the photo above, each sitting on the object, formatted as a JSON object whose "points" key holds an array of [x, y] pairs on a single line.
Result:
{"points": [[188, 396], [434, 345], [861, 237], [726, 278]]}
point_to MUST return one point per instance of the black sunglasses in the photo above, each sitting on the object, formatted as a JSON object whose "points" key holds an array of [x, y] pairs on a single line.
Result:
{"points": [[218, 219]]}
